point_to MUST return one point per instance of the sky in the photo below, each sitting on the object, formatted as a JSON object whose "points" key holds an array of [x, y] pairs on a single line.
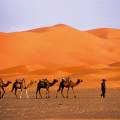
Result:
{"points": [[18, 15]]}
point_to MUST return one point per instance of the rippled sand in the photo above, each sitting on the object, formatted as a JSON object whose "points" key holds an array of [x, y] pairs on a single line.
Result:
{"points": [[87, 106]]}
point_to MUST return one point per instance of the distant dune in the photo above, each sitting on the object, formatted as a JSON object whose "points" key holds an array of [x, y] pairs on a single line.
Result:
{"points": [[107, 33], [59, 45], [117, 64], [60, 49]]}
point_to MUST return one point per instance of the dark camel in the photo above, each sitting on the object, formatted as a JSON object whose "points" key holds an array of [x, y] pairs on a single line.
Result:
{"points": [[20, 84], [45, 84], [68, 84], [2, 86]]}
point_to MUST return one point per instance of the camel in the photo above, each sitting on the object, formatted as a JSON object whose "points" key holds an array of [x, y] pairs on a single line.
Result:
{"points": [[2, 86], [68, 84], [20, 84], [45, 84]]}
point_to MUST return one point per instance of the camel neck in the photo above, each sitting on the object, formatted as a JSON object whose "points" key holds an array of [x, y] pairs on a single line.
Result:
{"points": [[52, 83], [5, 85], [77, 82]]}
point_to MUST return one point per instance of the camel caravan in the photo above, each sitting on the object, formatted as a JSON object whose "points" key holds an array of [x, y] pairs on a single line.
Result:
{"points": [[20, 84]]}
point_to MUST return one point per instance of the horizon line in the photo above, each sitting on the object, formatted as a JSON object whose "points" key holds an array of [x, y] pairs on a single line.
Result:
{"points": [[55, 25]]}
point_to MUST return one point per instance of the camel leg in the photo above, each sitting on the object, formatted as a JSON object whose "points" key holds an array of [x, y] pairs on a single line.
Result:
{"points": [[16, 92], [62, 92], [13, 87], [47, 93], [40, 93], [3, 92], [73, 93], [57, 92], [37, 92], [0, 94], [26, 93], [67, 92], [21, 94]]}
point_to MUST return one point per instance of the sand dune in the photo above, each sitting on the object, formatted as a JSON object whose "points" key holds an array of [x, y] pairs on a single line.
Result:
{"points": [[16, 69], [107, 33], [59, 45], [61, 50]]}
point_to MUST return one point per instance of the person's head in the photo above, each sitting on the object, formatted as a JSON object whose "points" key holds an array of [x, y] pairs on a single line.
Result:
{"points": [[103, 80]]}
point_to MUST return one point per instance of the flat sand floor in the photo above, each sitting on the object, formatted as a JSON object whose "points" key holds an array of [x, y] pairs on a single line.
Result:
{"points": [[87, 106]]}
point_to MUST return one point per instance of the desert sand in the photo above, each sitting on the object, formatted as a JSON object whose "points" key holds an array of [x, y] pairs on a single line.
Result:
{"points": [[87, 106]]}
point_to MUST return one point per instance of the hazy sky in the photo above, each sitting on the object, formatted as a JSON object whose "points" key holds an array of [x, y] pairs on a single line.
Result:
{"points": [[16, 15]]}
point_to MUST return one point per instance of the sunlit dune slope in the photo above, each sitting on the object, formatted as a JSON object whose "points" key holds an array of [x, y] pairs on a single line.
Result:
{"points": [[56, 47]]}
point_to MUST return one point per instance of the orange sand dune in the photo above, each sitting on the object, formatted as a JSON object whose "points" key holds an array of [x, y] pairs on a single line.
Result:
{"points": [[16, 69], [107, 33], [117, 64], [56, 47]]}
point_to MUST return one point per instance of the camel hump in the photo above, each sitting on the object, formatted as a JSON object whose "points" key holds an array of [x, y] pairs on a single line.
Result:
{"points": [[67, 79], [80, 80], [19, 81], [10, 82], [55, 80], [43, 83]]}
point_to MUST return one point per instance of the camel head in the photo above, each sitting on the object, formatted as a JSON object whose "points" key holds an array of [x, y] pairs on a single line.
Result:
{"points": [[78, 81], [9, 82], [55, 80], [6, 84], [81, 80], [23, 80]]}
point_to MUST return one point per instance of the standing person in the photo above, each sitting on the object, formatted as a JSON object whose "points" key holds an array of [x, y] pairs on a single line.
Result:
{"points": [[103, 88]]}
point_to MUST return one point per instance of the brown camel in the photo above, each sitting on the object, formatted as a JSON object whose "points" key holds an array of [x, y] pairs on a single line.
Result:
{"points": [[20, 84], [68, 84], [45, 84], [2, 86]]}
